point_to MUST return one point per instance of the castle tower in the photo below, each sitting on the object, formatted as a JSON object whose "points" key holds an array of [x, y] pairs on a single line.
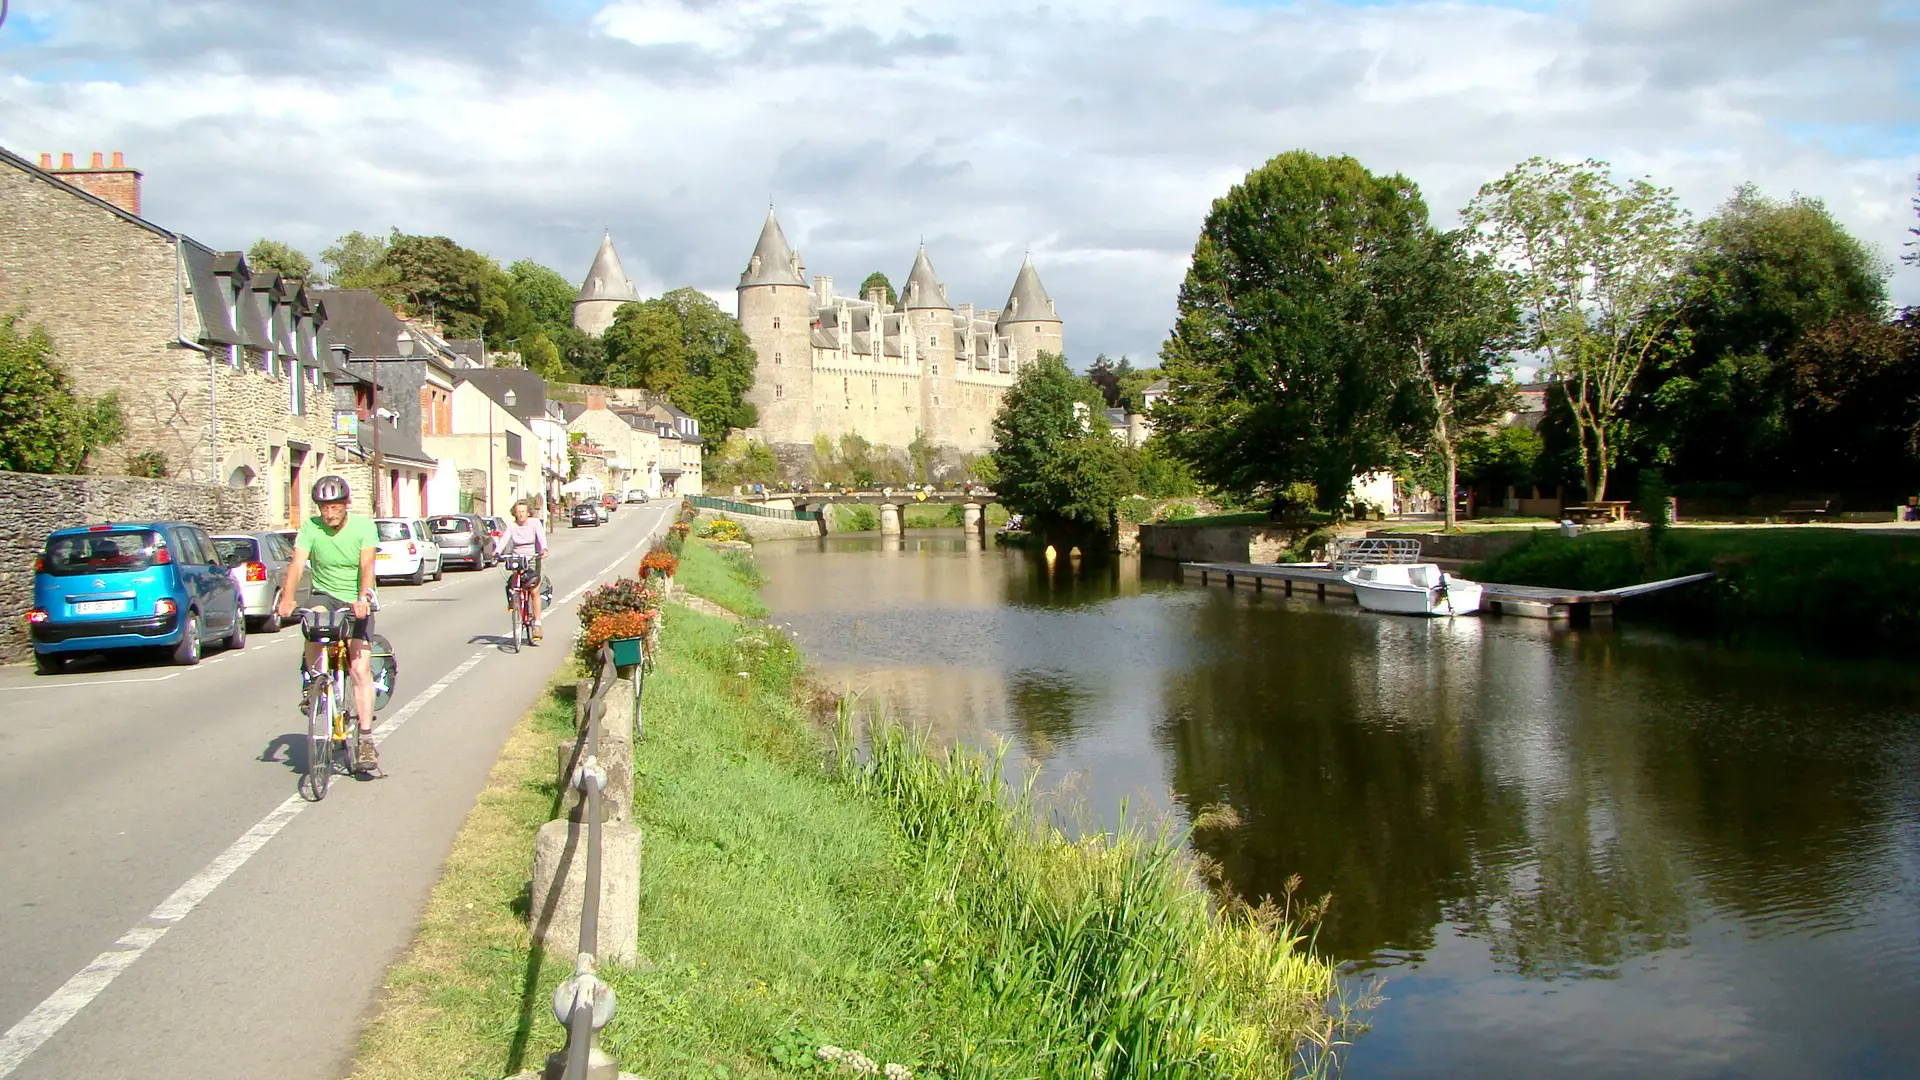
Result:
{"points": [[930, 325], [776, 311], [606, 288], [1029, 320]]}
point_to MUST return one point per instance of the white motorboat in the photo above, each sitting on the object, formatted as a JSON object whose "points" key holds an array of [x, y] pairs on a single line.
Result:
{"points": [[1412, 589]]}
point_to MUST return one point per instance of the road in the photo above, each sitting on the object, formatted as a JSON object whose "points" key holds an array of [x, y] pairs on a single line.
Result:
{"points": [[175, 909]]}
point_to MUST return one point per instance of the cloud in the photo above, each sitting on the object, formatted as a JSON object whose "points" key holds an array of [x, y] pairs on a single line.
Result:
{"points": [[1094, 135]]}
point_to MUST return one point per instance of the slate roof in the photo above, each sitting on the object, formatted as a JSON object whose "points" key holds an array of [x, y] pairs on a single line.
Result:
{"points": [[923, 289], [363, 323], [773, 261], [606, 280], [394, 444], [529, 389], [1028, 302]]}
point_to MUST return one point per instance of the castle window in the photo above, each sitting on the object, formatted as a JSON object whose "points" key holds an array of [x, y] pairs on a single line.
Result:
{"points": [[936, 367], [876, 387], [776, 322], [936, 401], [779, 358], [779, 392]]}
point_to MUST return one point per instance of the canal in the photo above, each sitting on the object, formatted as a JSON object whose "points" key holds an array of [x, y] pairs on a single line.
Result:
{"points": [[1605, 852]]}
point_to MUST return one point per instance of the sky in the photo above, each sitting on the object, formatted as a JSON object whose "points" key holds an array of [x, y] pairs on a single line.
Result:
{"points": [[1092, 134]]}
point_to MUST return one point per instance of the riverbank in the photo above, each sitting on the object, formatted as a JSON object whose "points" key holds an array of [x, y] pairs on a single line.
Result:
{"points": [[1809, 579], [798, 896]]}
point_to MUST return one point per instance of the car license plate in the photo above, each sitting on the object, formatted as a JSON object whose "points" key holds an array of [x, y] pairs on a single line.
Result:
{"points": [[98, 607], [381, 555]]}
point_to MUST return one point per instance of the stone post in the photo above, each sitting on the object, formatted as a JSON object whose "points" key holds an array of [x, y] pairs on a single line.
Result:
{"points": [[560, 888], [972, 517], [889, 519]]}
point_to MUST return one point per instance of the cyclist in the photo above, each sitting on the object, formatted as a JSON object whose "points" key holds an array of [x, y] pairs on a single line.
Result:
{"points": [[340, 546], [526, 536]]}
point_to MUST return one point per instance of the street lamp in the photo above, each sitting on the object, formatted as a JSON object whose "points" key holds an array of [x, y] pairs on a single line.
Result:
{"points": [[403, 344]]}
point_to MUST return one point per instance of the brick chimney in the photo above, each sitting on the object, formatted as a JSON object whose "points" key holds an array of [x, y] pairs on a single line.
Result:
{"points": [[114, 182]]}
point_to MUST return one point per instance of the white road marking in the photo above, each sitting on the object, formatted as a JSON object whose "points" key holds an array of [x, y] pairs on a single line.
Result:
{"points": [[92, 682], [47, 1018]]}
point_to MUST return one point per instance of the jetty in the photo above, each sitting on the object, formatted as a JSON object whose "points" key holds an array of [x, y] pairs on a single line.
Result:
{"points": [[1526, 601]]}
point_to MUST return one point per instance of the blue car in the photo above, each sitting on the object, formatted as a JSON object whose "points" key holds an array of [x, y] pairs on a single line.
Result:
{"points": [[152, 585]]}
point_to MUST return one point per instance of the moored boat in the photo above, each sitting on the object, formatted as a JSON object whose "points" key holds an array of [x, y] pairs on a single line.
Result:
{"points": [[1412, 589]]}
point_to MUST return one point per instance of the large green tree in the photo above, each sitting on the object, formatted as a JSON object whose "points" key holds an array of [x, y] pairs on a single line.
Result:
{"points": [[1761, 276], [1054, 461], [1450, 313], [1857, 405], [683, 345], [358, 261], [461, 290], [44, 426], [283, 259], [878, 280], [1595, 266], [547, 296], [1282, 368]]}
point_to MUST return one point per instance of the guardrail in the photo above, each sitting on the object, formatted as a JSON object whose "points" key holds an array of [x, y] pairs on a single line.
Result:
{"points": [[583, 1004], [729, 506]]}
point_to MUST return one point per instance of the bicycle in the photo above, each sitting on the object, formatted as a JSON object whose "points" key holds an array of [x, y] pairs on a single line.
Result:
{"points": [[329, 693], [519, 600]]}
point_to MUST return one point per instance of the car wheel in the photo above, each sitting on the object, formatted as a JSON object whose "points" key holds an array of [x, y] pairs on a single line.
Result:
{"points": [[419, 575], [237, 639], [440, 569], [48, 663], [270, 622], [187, 652]]}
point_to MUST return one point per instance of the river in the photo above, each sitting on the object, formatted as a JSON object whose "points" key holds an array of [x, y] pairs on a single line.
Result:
{"points": [[1607, 852]]}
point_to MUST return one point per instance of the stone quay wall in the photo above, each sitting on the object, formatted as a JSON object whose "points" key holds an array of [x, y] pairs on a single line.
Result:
{"points": [[31, 506]]}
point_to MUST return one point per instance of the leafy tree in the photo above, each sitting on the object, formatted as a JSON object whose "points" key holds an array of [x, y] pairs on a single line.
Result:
{"points": [[920, 454], [1133, 385], [1280, 362], [1061, 471], [739, 460], [440, 279], [583, 358], [282, 259], [684, 346], [542, 357], [1451, 313], [1762, 275], [1495, 460], [1595, 268], [1160, 474], [359, 262], [878, 280], [1857, 383], [44, 426], [547, 296], [1108, 374]]}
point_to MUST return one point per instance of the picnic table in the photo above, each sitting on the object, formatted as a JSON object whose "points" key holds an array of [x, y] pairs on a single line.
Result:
{"points": [[1605, 511]]}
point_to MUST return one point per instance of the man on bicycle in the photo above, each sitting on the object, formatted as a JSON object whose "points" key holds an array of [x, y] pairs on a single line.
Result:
{"points": [[340, 546], [526, 537]]}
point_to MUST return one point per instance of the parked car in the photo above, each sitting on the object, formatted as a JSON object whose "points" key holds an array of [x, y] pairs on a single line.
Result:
{"points": [[259, 565], [465, 539], [636, 495], [609, 504], [495, 527], [584, 514], [406, 550], [286, 534], [147, 585]]}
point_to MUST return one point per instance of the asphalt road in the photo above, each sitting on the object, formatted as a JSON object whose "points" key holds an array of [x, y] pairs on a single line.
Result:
{"points": [[174, 909]]}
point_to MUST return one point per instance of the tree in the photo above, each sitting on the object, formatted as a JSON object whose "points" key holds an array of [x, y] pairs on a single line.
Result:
{"points": [[1913, 253], [359, 262], [1050, 463], [1450, 311], [1857, 389], [1280, 369], [644, 347], [548, 297], [542, 357], [44, 426], [1595, 267], [437, 278], [282, 259], [878, 280], [737, 460], [684, 346], [1108, 375], [1762, 275]]}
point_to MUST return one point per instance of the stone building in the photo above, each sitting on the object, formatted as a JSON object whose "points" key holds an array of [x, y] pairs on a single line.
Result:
{"points": [[219, 370], [831, 364], [606, 288], [415, 370]]}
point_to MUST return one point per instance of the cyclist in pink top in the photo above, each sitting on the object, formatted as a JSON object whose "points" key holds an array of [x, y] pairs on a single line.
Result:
{"points": [[526, 537]]}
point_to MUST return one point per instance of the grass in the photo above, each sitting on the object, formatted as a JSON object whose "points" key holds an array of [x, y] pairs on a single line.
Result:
{"points": [[707, 571], [802, 889], [1806, 580]]}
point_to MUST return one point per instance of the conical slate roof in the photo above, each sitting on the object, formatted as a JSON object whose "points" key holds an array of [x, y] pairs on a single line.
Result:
{"points": [[923, 288], [773, 261], [607, 281], [1028, 302]]}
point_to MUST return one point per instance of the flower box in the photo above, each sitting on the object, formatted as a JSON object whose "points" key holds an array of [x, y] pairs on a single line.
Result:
{"points": [[626, 651]]}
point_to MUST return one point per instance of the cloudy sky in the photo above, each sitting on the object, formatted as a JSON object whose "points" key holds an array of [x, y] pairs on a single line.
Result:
{"points": [[1093, 133]]}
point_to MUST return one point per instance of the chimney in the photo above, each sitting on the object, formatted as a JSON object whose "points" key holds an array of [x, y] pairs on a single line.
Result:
{"points": [[114, 183], [596, 400]]}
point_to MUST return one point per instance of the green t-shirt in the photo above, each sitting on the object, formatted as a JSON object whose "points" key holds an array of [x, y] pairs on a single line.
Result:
{"points": [[335, 556]]}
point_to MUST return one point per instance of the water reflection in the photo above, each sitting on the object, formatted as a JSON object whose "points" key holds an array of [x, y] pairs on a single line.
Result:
{"points": [[1495, 804]]}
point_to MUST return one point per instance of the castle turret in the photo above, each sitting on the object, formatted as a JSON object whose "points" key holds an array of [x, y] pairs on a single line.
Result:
{"points": [[776, 311], [605, 289], [930, 324], [1029, 322]]}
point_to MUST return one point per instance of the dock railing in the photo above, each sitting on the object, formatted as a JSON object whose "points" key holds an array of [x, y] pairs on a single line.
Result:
{"points": [[1346, 554], [729, 506]]}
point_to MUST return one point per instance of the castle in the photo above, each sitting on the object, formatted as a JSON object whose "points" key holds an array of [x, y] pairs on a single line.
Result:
{"points": [[833, 365]]}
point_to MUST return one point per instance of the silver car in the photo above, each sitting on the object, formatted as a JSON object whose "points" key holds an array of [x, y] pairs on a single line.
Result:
{"points": [[258, 562]]}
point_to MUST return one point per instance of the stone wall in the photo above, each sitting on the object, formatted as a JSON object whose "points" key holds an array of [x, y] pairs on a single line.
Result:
{"points": [[1197, 543], [31, 506], [1466, 547], [761, 528]]}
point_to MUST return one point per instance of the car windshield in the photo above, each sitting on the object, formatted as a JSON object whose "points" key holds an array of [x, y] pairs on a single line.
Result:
{"points": [[392, 530], [449, 525], [124, 552], [242, 547]]}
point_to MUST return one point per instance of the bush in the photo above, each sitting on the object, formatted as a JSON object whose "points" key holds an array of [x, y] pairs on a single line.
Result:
{"points": [[1175, 512], [620, 624], [1136, 509], [859, 518], [622, 596], [659, 561], [724, 530]]}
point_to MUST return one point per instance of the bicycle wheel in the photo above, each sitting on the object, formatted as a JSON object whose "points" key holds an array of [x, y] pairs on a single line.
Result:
{"points": [[348, 728], [526, 619], [319, 743], [513, 613]]}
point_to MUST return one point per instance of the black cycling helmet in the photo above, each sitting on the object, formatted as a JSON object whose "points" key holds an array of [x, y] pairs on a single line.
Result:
{"points": [[330, 489]]}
